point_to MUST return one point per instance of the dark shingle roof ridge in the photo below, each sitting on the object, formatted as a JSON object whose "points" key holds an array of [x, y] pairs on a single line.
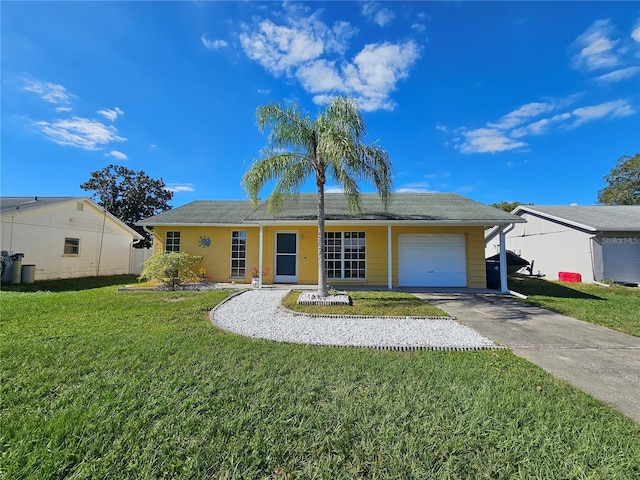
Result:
{"points": [[419, 207], [8, 204]]}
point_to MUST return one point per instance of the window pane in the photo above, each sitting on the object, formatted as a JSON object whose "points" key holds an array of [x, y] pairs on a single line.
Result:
{"points": [[71, 246], [238, 253], [286, 265], [172, 243], [345, 254], [286, 243]]}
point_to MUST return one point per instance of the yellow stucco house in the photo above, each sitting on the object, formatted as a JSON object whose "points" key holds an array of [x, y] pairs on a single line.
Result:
{"points": [[420, 240]]}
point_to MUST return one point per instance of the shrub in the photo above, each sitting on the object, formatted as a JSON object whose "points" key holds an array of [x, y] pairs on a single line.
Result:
{"points": [[172, 268]]}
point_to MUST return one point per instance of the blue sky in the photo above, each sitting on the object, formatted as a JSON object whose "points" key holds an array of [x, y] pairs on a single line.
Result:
{"points": [[506, 101]]}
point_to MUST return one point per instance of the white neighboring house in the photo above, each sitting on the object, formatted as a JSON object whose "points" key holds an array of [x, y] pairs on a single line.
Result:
{"points": [[66, 237], [599, 242]]}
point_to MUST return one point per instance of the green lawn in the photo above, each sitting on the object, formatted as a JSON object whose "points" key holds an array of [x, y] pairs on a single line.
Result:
{"points": [[616, 307], [101, 384]]}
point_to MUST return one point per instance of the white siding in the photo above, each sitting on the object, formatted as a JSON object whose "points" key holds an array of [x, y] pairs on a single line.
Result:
{"points": [[40, 234], [139, 256], [552, 246]]}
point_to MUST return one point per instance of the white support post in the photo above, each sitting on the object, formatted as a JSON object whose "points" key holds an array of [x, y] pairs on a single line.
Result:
{"points": [[504, 288], [389, 259], [260, 256]]}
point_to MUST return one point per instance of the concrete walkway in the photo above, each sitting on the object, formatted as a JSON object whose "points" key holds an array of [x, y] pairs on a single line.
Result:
{"points": [[599, 361]]}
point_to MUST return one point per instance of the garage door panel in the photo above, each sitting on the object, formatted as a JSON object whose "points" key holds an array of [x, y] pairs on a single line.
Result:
{"points": [[432, 260], [621, 257]]}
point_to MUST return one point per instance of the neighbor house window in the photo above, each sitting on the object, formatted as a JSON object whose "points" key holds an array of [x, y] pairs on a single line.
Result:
{"points": [[238, 254], [345, 255], [71, 246], [172, 243]]}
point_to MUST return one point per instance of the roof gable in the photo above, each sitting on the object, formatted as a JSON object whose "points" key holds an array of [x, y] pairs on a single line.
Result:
{"points": [[17, 205]]}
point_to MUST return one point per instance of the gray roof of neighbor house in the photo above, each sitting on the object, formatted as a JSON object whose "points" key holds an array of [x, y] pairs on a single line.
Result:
{"points": [[432, 208], [11, 204], [603, 218]]}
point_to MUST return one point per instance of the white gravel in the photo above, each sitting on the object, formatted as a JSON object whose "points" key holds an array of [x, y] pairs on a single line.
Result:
{"points": [[259, 314]]}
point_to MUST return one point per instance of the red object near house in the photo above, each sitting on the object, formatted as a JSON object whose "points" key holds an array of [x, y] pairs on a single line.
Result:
{"points": [[569, 277]]}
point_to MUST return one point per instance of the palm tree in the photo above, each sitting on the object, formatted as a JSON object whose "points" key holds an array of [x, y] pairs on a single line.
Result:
{"points": [[331, 146]]}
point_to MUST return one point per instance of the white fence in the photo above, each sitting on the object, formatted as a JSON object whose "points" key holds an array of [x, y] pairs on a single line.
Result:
{"points": [[138, 256]]}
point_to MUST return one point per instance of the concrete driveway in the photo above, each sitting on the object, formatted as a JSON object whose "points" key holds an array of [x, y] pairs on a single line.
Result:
{"points": [[599, 361]]}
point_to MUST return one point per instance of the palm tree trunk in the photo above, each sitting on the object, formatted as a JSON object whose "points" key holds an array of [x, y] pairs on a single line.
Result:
{"points": [[322, 278]]}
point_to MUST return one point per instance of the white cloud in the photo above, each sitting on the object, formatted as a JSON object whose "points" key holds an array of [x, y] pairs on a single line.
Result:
{"points": [[111, 115], [63, 109], [49, 92], [506, 134], [376, 70], [442, 128], [334, 189], [80, 132], [488, 140], [618, 75], [617, 108], [337, 38], [116, 154], [414, 187], [306, 49], [419, 27], [539, 127], [213, 44], [635, 33], [595, 47], [377, 14], [279, 48], [522, 114], [177, 187], [320, 76]]}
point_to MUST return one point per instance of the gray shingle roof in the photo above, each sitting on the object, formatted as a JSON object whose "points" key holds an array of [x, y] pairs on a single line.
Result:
{"points": [[414, 207], [201, 212], [618, 218], [11, 204]]}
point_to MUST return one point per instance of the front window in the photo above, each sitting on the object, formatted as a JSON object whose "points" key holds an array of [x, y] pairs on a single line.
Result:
{"points": [[71, 246], [172, 243], [345, 255], [238, 254]]}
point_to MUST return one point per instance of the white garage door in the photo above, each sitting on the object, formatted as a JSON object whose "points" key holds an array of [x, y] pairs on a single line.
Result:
{"points": [[432, 260]]}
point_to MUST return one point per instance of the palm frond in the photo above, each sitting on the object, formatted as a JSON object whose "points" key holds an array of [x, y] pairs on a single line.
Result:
{"points": [[289, 128], [263, 170], [289, 183]]}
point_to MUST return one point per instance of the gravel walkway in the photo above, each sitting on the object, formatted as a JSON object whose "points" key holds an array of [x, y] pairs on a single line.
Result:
{"points": [[259, 314]]}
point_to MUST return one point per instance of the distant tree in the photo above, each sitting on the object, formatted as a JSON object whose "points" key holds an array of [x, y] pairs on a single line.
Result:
{"points": [[508, 206], [171, 268], [128, 195], [331, 146], [624, 183]]}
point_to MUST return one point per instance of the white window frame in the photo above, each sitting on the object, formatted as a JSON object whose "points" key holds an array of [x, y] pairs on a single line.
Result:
{"points": [[340, 245], [240, 269]]}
